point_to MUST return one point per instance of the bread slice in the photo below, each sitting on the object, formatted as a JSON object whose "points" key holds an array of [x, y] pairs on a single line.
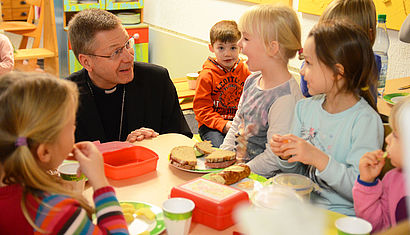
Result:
{"points": [[232, 174], [204, 147], [184, 155], [220, 155]]}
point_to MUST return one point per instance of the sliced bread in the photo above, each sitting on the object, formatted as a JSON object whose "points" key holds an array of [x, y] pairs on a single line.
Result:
{"points": [[220, 155], [184, 155], [204, 147]]}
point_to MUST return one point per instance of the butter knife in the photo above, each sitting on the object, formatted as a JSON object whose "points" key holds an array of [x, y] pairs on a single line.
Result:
{"points": [[404, 87]]}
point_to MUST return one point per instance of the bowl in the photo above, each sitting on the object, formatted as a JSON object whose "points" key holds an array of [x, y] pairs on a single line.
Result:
{"points": [[273, 196], [129, 162], [299, 183]]}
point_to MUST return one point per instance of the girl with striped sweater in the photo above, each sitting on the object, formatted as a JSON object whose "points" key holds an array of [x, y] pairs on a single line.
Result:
{"points": [[37, 124]]}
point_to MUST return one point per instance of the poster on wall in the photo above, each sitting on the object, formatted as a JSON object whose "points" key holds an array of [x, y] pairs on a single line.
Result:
{"points": [[396, 10], [288, 2]]}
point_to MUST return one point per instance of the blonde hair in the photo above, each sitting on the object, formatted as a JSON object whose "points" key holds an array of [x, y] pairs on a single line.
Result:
{"points": [[83, 27], [360, 12], [274, 23], [397, 111], [35, 106]]}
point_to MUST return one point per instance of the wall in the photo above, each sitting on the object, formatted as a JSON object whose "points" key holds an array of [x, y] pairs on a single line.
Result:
{"points": [[187, 22]]}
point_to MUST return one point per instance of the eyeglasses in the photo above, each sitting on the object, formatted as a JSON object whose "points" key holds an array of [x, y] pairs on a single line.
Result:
{"points": [[129, 44]]}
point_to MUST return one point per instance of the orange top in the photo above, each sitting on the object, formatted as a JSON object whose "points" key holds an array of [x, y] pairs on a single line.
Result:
{"points": [[218, 92]]}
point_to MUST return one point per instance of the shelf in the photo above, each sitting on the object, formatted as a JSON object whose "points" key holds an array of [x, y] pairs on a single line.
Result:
{"points": [[68, 7], [113, 5]]}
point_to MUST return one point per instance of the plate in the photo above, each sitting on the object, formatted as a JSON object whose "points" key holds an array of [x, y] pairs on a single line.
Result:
{"points": [[199, 168], [139, 225], [393, 98], [258, 182]]}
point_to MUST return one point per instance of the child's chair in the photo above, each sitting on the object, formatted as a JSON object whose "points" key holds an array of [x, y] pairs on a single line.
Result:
{"points": [[36, 31]]}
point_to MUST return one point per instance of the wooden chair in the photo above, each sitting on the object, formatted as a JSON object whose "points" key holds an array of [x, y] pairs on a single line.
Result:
{"points": [[37, 31]]}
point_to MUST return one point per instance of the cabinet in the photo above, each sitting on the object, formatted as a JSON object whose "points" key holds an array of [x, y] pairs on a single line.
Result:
{"points": [[118, 7], [14, 9]]}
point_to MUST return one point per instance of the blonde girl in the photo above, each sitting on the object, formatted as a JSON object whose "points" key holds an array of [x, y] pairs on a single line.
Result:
{"points": [[37, 125], [270, 37], [383, 203], [334, 128]]}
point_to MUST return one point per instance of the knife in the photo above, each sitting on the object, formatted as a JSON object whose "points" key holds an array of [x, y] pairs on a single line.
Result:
{"points": [[404, 87]]}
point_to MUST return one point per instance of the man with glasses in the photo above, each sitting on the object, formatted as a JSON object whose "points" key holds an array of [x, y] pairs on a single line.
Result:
{"points": [[119, 99]]}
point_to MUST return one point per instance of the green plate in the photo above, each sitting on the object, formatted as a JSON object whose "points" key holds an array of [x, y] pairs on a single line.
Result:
{"points": [[139, 225], [393, 98]]}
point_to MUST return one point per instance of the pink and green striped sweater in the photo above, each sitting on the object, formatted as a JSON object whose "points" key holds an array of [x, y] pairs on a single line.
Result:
{"points": [[60, 214]]}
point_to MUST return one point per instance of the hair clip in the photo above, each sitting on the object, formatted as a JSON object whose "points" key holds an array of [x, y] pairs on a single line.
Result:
{"points": [[300, 52], [364, 88], [21, 141]]}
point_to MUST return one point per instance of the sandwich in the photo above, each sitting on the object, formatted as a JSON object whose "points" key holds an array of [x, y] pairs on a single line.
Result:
{"points": [[204, 148], [183, 157], [232, 174], [220, 158]]}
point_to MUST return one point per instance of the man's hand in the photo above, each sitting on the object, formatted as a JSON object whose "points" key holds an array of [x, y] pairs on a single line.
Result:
{"points": [[140, 134]]}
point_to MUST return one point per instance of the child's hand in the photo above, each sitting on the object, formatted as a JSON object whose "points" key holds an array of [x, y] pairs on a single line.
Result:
{"points": [[370, 165], [227, 127], [241, 141], [300, 150], [276, 143], [140, 134], [91, 163]]}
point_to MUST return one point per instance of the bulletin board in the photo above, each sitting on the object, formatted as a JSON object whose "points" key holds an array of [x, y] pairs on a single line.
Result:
{"points": [[288, 2], [396, 10]]}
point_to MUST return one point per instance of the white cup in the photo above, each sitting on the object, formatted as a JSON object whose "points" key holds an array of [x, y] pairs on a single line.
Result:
{"points": [[69, 173], [192, 80], [178, 215], [352, 226]]}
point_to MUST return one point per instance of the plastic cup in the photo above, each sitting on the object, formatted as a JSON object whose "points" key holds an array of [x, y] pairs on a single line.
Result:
{"points": [[178, 215], [192, 80], [68, 172], [353, 226]]}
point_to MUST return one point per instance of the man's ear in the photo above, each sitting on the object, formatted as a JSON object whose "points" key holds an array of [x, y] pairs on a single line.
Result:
{"points": [[43, 153], [273, 48], [211, 48], [85, 61], [340, 71]]}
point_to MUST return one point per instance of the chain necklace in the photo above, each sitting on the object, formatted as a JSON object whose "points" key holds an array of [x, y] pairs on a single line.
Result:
{"points": [[122, 104]]}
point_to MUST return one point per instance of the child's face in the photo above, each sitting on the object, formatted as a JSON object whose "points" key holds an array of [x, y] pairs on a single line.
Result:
{"points": [[394, 149], [254, 48], [64, 144], [319, 78], [226, 53]]}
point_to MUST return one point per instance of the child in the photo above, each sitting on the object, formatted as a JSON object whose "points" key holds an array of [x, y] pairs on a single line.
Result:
{"points": [[37, 134], [220, 83], [332, 130], [270, 37], [6, 54], [360, 12], [383, 203]]}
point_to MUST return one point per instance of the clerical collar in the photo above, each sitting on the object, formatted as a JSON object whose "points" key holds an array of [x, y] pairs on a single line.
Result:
{"points": [[90, 84]]}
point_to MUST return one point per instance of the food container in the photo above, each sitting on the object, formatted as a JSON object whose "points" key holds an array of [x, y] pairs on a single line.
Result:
{"points": [[273, 196], [214, 202], [301, 184], [129, 162]]}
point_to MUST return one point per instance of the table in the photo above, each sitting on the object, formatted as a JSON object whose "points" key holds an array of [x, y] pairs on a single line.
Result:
{"points": [[392, 86], [185, 94], [155, 187]]}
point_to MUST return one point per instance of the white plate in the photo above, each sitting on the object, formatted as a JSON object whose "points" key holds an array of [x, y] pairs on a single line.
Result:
{"points": [[258, 182]]}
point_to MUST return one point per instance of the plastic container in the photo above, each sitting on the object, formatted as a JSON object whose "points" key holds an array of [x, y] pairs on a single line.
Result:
{"points": [[380, 48], [214, 202], [129, 162], [273, 196], [301, 184]]}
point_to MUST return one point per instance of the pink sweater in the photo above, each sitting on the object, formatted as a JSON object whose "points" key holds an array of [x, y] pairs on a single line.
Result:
{"points": [[382, 203], [6, 55]]}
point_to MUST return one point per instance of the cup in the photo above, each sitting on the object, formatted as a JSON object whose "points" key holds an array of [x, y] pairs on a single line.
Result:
{"points": [[178, 215], [69, 173], [352, 226], [192, 80]]}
